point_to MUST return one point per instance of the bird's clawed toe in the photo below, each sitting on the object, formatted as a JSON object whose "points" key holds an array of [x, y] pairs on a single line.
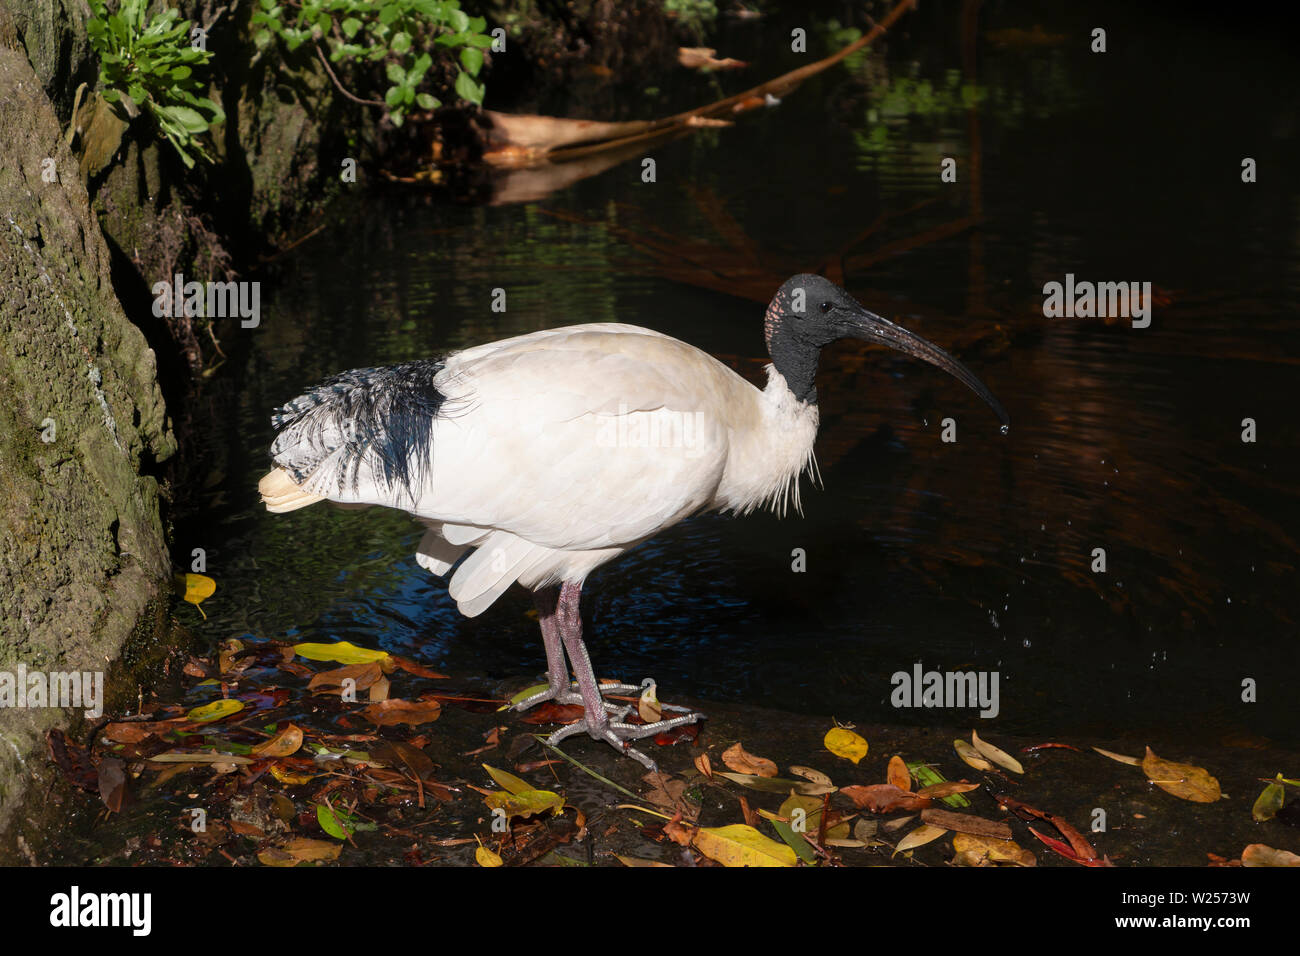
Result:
{"points": [[619, 734]]}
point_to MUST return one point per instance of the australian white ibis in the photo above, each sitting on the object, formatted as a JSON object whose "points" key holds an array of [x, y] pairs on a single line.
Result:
{"points": [[552, 453]]}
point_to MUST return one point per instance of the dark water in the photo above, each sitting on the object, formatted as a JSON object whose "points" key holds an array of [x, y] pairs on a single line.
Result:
{"points": [[1123, 166]]}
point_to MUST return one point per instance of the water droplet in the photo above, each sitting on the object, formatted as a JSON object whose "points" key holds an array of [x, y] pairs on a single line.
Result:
{"points": [[1005, 429]]}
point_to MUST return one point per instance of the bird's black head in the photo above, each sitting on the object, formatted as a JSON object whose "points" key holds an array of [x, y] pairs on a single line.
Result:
{"points": [[810, 312]]}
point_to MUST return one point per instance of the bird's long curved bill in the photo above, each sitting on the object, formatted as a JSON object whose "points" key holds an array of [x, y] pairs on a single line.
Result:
{"points": [[872, 328]]}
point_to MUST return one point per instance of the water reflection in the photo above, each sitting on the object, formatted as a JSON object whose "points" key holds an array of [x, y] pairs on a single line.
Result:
{"points": [[976, 554]]}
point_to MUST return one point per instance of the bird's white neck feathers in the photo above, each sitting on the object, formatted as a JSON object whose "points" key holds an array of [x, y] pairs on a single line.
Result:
{"points": [[766, 459]]}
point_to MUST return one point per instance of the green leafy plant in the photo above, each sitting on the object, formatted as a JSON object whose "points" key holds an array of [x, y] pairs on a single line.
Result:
{"points": [[150, 64], [398, 33], [694, 15]]}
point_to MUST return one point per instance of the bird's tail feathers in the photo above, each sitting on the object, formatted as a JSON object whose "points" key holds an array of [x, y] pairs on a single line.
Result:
{"points": [[280, 493], [362, 433]]}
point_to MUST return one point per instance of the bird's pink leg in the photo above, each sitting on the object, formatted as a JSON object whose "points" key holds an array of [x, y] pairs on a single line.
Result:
{"points": [[557, 671], [595, 721]]}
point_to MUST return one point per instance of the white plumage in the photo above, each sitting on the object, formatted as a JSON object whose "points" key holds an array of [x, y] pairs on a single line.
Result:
{"points": [[546, 455], [556, 451]]}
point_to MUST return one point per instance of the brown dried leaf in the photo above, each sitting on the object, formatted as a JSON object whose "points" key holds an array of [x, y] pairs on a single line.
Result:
{"points": [[937, 791], [1257, 854], [884, 798], [739, 760], [283, 744], [1180, 779], [387, 713], [362, 675], [816, 776], [966, 823], [897, 773]]}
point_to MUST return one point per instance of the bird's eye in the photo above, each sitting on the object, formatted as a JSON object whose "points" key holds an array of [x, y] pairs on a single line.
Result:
{"points": [[825, 307]]}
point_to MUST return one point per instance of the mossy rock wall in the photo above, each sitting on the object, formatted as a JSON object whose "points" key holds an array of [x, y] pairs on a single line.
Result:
{"points": [[82, 425]]}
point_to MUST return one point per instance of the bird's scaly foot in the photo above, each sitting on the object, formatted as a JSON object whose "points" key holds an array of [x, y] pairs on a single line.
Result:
{"points": [[570, 695], [620, 734]]}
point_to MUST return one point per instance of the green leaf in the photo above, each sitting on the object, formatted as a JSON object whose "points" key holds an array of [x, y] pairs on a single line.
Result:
{"points": [[1268, 803], [793, 840], [400, 43], [350, 27], [394, 96], [467, 89], [331, 826], [472, 60], [395, 73], [426, 101]]}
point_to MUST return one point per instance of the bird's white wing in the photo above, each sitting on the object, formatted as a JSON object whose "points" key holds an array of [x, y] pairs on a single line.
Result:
{"points": [[581, 438], [549, 453]]}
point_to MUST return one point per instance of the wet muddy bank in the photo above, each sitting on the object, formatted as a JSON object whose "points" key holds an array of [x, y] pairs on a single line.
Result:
{"points": [[418, 793]]}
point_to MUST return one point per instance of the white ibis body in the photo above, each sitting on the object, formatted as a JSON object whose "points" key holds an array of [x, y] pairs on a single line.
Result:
{"points": [[548, 454]]}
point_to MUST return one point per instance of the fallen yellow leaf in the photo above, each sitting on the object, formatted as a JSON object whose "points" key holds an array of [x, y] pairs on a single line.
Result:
{"points": [[215, 710], [742, 845], [342, 651], [198, 588], [843, 742]]}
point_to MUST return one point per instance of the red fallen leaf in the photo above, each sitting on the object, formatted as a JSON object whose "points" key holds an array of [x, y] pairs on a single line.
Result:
{"points": [[884, 798], [1216, 860], [535, 765], [549, 712], [686, 733], [266, 698], [654, 831], [1068, 852], [1049, 746], [1081, 848], [72, 760], [411, 667], [475, 705]]}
